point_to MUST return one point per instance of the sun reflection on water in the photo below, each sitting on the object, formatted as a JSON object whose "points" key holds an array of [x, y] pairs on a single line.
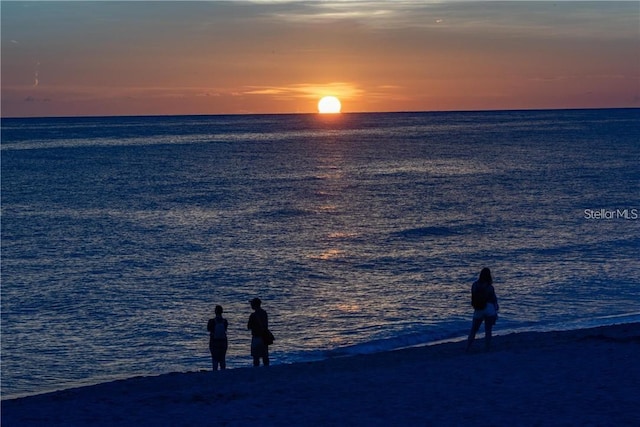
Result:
{"points": [[328, 255]]}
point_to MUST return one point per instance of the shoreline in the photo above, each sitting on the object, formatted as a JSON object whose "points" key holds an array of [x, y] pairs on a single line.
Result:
{"points": [[530, 378], [348, 352]]}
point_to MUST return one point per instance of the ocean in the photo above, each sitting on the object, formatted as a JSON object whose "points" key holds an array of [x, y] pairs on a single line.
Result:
{"points": [[360, 232]]}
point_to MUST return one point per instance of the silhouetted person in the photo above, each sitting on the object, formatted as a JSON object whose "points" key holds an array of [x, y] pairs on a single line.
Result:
{"points": [[218, 343], [258, 324], [485, 304]]}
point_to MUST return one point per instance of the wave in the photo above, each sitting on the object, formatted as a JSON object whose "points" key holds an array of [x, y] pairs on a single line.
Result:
{"points": [[456, 331], [285, 213], [420, 232]]}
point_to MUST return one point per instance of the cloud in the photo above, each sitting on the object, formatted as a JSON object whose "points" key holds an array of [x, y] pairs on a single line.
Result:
{"points": [[266, 91], [209, 94], [308, 90]]}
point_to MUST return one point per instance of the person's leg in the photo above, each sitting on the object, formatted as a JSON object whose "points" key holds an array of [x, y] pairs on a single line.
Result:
{"points": [[223, 357], [255, 351], [475, 326], [214, 363], [488, 328], [265, 356], [217, 355]]}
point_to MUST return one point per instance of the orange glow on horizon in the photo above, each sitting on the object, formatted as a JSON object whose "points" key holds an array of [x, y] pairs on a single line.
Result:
{"points": [[421, 56]]}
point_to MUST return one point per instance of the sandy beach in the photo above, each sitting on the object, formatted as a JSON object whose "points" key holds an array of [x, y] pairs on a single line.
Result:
{"points": [[585, 377]]}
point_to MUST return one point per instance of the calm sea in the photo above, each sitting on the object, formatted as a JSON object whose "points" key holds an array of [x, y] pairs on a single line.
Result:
{"points": [[360, 232]]}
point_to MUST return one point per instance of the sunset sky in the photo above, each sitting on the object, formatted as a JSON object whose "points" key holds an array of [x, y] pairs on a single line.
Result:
{"points": [[234, 57]]}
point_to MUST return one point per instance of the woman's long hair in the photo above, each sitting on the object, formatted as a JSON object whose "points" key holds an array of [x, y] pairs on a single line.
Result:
{"points": [[485, 276]]}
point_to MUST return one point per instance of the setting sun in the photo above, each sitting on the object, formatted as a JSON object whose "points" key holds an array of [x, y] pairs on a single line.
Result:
{"points": [[329, 105]]}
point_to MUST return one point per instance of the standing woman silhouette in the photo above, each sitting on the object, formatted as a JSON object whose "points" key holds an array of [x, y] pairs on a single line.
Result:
{"points": [[218, 343], [485, 304]]}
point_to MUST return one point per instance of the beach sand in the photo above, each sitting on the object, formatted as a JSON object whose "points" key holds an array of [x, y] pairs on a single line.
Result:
{"points": [[588, 377]]}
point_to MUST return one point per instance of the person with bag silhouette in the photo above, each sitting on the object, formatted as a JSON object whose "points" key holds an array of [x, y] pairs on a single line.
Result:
{"points": [[261, 337], [218, 343]]}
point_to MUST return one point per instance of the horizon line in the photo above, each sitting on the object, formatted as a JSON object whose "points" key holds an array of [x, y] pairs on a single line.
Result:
{"points": [[320, 114]]}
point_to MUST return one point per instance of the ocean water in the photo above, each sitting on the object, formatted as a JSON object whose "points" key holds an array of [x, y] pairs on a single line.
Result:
{"points": [[360, 232]]}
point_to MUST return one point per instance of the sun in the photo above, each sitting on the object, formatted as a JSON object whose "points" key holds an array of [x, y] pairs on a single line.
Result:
{"points": [[329, 105]]}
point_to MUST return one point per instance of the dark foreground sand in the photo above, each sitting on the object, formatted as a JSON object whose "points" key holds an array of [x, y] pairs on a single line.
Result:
{"points": [[587, 377]]}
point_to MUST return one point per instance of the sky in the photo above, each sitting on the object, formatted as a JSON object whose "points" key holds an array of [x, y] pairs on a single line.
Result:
{"points": [[88, 58]]}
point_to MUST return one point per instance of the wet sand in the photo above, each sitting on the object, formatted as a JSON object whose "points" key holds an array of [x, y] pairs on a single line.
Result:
{"points": [[582, 377]]}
